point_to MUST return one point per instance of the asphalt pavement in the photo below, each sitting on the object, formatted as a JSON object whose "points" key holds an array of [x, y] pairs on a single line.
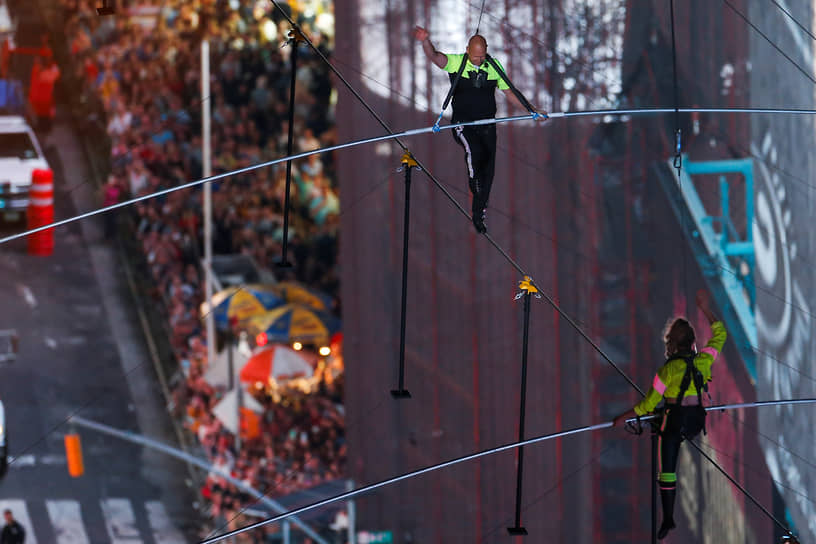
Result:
{"points": [[82, 352]]}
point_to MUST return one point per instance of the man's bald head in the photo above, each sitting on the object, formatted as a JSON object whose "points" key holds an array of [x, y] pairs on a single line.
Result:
{"points": [[477, 49]]}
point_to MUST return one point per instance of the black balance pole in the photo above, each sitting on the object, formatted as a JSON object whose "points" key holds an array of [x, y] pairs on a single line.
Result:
{"points": [[527, 291], [295, 38], [653, 480], [408, 164]]}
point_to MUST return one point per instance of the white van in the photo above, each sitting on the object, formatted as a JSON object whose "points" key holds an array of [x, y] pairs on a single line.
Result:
{"points": [[20, 155]]}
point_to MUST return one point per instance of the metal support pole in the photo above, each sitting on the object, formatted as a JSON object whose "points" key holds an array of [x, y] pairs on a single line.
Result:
{"points": [[234, 385], [408, 164], [653, 481], [206, 164], [528, 289], [295, 37], [287, 533], [351, 510]]}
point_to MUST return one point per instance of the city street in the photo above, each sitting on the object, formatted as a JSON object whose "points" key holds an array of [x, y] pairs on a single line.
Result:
{"points": [[82, 351]]}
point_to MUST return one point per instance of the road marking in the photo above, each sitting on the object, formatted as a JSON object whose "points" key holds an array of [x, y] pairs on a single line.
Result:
{"points": [[27, 295], [31, 460], [164, 532], [66, 520], [20, 513], [120, 520], [52, 459], [27, 460]]}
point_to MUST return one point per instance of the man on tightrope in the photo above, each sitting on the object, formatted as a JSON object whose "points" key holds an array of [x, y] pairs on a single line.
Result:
{"points": [[681, 381], [474, 78]]}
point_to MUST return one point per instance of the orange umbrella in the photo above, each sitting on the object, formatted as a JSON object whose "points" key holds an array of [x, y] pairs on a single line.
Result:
{"points": [[275, 362]]}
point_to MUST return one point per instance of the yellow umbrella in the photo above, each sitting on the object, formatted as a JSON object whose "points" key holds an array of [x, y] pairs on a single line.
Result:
{"points": [[294, 323], [295, 293], [241, 303]]}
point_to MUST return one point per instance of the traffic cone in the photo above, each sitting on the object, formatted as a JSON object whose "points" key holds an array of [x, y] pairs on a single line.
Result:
{"points": [[41, 212]]}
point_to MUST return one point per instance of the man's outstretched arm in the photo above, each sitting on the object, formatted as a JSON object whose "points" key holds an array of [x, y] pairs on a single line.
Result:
{"points": [[513, 99], [422, 35]]}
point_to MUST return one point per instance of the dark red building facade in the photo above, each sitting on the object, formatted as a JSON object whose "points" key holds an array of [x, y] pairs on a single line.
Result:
{"points": [[575, 202]]}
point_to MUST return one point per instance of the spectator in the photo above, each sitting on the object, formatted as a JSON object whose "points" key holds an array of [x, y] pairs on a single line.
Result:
{"points": [[13, 532], [112, 193], [44, 75], [142, 65]]}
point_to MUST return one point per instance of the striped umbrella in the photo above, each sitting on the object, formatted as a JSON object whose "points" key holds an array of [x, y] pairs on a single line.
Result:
{"points": [[294, 323], [241, 303], [275, 362], [296, 293]]}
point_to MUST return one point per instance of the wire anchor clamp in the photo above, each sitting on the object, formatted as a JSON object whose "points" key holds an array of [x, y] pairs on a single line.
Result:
{"points": [[438, 120], [294, 37], [527, 288], [408, 161]]}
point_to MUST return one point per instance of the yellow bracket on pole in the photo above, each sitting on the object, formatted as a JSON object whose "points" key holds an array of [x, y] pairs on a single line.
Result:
{"points": [[527, 285], [295, 35], [527, 288], [408, 160]]}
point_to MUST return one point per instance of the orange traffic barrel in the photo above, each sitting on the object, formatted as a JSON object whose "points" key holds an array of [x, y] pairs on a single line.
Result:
{"points": [[73, 453], [41, 212]]}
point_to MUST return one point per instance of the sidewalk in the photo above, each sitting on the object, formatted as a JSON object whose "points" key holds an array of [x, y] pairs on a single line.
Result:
{"points": [[138, 366]]}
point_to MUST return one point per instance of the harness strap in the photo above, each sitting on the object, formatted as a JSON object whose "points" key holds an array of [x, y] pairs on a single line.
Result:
{"points": [[692, 373], [515, 91], [455, 81], [451, 91]]}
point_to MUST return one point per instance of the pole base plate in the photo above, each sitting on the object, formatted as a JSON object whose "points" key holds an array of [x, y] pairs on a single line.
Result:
{"points": [[400, 394], [517, 531]]}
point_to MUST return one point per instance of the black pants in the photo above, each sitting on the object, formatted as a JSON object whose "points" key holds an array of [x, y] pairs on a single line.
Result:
{"points": [[679, 423], [479, 143]]}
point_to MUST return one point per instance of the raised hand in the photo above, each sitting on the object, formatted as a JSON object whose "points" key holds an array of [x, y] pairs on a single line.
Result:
{"points": [[421, 34]]}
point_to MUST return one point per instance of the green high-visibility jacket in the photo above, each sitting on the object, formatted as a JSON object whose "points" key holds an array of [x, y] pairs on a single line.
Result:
{"points": [[667, 380]]}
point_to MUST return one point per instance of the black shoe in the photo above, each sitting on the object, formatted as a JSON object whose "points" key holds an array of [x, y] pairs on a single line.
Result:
{"points": [[479, 222], [667, 497], [665, 527]]}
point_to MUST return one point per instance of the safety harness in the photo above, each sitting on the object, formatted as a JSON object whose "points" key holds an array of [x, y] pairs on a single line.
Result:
{"points": [[694, 375], [495, 65]]}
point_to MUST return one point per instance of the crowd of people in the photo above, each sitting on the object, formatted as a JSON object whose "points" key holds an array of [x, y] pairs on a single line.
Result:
{"points": [[143, 64]]}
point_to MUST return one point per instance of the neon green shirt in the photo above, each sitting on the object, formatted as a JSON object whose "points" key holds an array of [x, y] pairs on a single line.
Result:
{"points": [[455, 59], [668, 378]]}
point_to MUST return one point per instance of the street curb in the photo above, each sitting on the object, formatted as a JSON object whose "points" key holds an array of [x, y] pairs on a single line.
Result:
{"points": [[154, 355]]}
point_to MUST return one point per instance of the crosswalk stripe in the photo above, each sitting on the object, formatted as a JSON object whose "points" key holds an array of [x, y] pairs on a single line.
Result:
{"points": [[120, 520], [66, 520], [20, 513], [163, 530]]}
